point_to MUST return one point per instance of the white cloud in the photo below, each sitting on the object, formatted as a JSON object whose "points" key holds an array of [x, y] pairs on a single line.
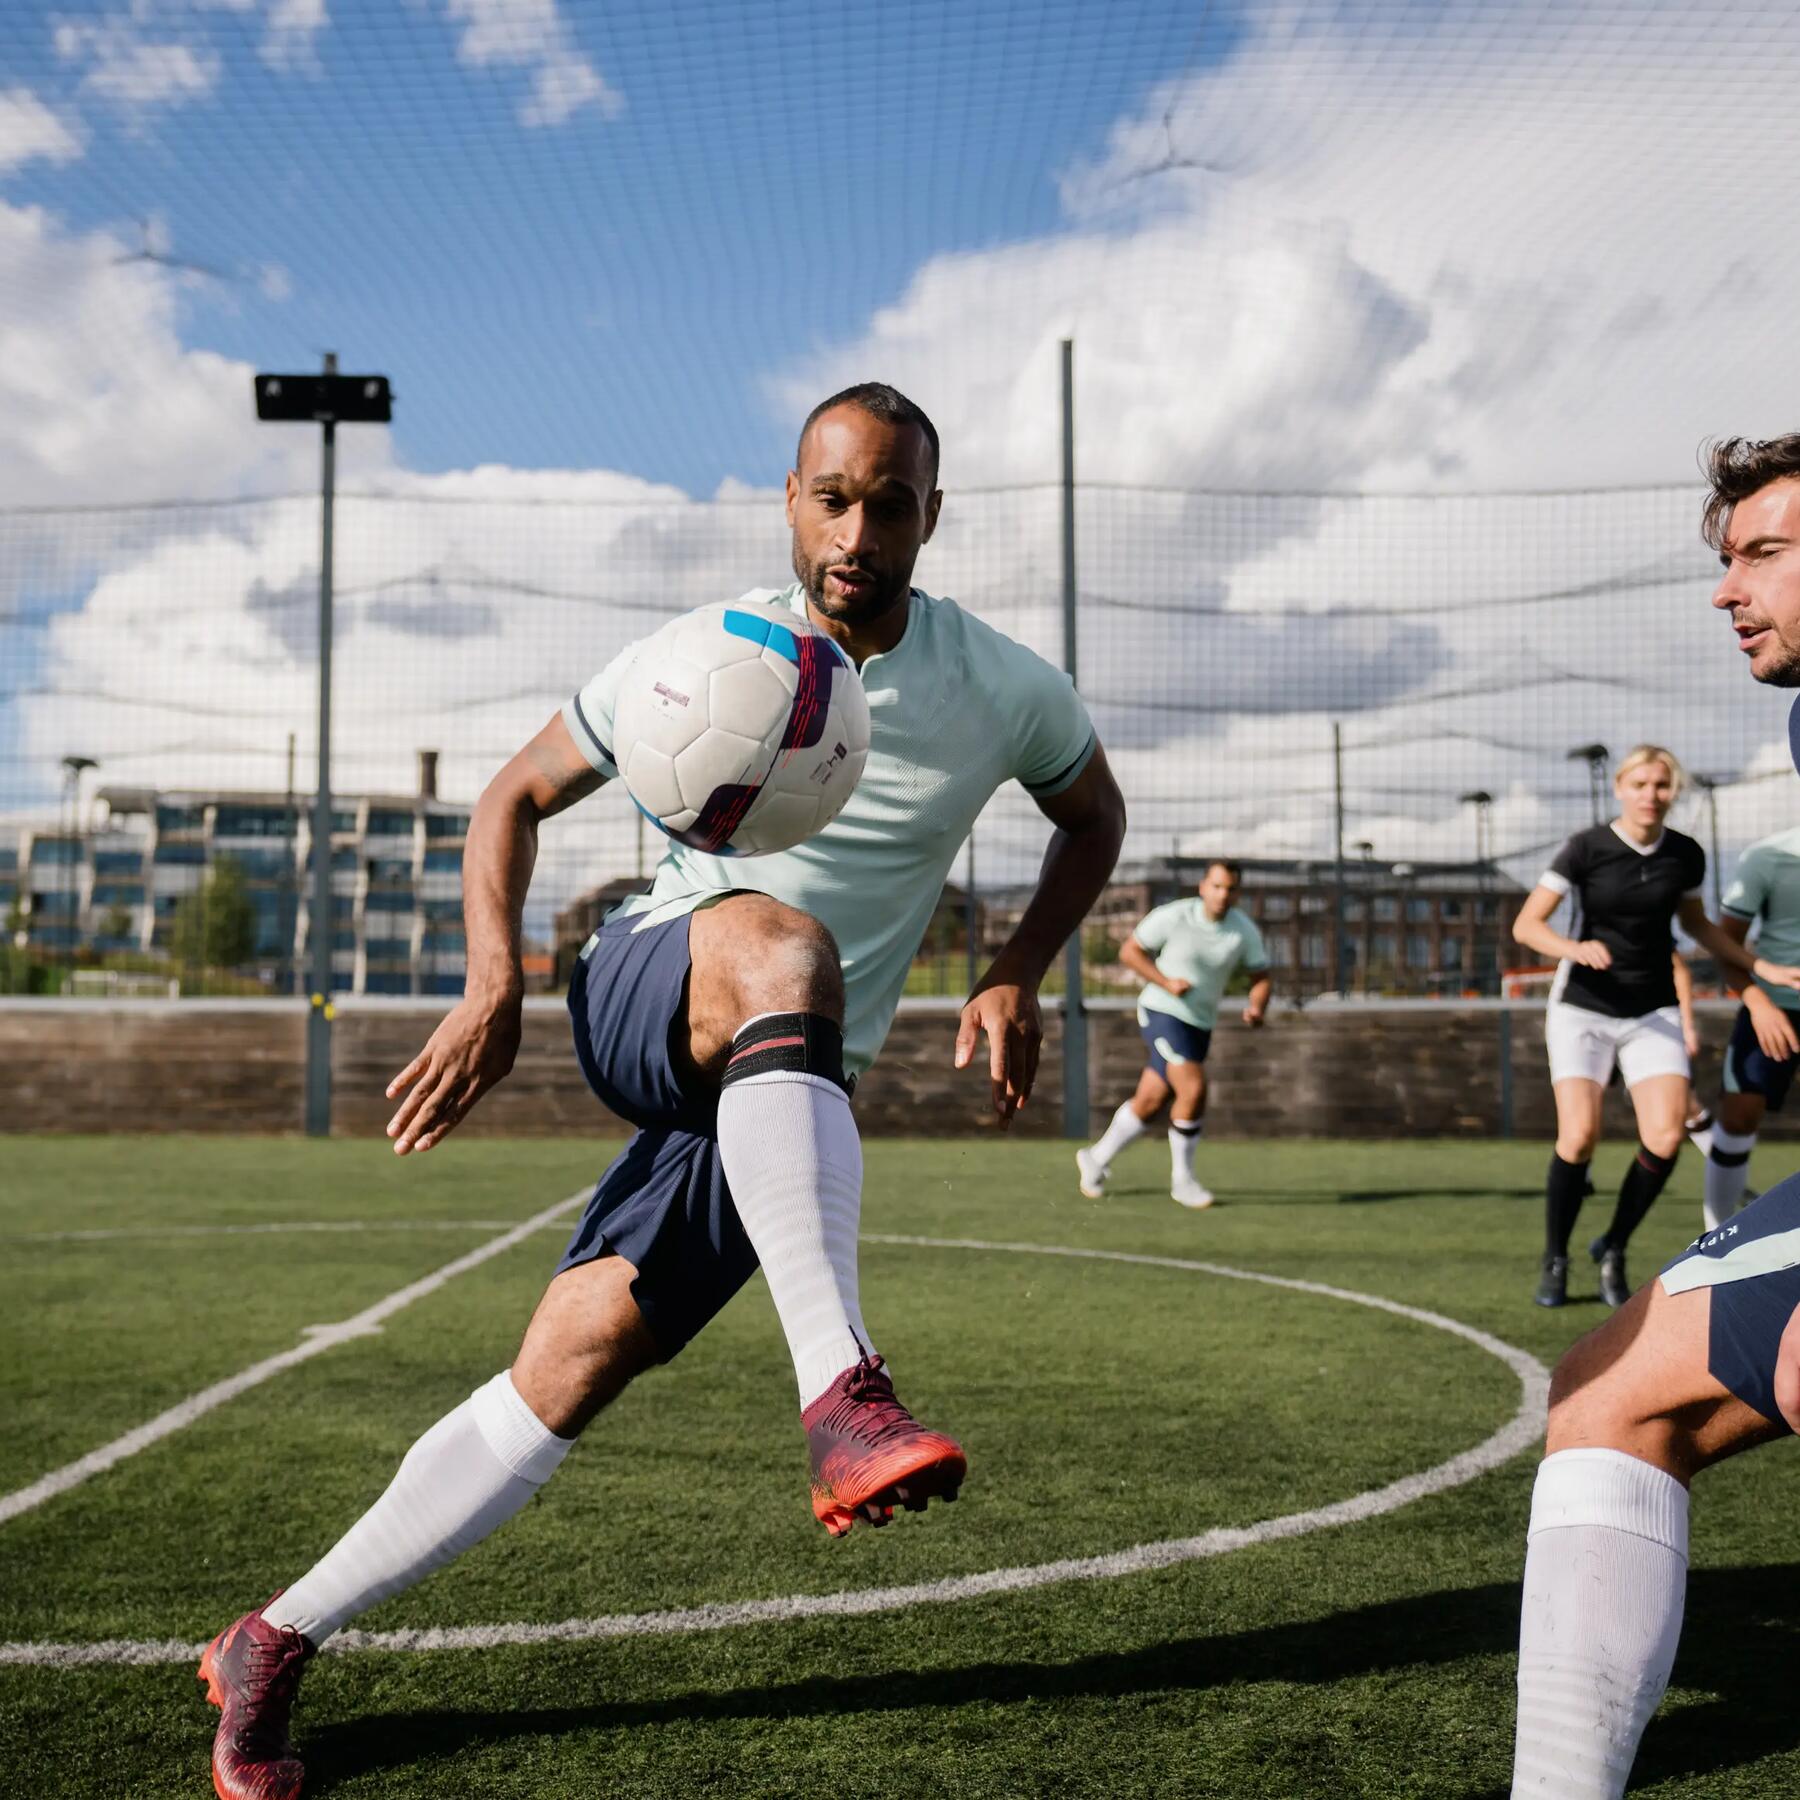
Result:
{"points": [[291, 32], [31, 132], [534, 35], [125, 66]]}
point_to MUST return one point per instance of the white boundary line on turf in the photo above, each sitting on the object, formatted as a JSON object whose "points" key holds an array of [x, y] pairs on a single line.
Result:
{"points": [[1518, 1433], [316, 1339], [105, 1233]]}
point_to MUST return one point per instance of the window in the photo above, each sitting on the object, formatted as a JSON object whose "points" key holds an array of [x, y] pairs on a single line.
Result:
{"points": [[1450, 953], [1312, 950], [262, 861], [55, 852], [343, 940], [1315, 903], [180, 818], [59, 901], [1281, 953], [342, 861], [446, 825], [1418, 950], [118, 862], [1277, 906], [390, 868], [1381, 948], [61, 937], [1353, 909], [387, 981], [444, 940], [389, 900], [1487, 911], [443, 862], [9, 860], [385, 822], [118, 893], [234, 820], [1449, 908], [1385, 908], [1418, 911], [436, 910], [342, 821], [443, 984], [189, 854]]}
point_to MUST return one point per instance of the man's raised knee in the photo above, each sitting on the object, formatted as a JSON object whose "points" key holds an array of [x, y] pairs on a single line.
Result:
{"points": [[754, 955]]}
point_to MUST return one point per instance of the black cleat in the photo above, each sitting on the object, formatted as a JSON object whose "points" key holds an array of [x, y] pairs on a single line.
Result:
{"points": [[1615, 1290], [1553, 1282]]}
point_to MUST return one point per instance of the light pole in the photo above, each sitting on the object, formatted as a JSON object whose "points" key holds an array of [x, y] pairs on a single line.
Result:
{"points": [[323, 400], [74, 767], [1482, 801], [1594, 755]]}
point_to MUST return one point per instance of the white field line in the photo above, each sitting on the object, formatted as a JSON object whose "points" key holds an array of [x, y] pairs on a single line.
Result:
{"points": [[1518, 1433], [316, 1339], [104, 1233]]}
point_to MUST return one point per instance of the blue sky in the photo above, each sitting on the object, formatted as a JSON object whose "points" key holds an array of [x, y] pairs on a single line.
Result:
{"points": [[613, 289]]}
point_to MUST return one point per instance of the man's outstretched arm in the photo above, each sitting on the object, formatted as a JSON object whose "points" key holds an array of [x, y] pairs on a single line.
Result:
{"points": [[1089, 817], [475, 1045]]}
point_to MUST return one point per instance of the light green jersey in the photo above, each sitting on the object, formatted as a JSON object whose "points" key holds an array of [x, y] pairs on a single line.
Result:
{"points": [[956, 709], [1766, 887], [1188, 946]]}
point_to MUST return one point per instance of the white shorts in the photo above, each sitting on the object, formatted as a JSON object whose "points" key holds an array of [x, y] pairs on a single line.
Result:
{"points": [[1587, 1044]]}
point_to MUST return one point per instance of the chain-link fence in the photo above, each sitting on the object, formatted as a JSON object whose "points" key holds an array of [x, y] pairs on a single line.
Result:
{"points": [[1391, 707]]}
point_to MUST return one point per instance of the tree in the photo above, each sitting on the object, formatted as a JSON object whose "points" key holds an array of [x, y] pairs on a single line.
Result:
{"points": [[215, 928]]}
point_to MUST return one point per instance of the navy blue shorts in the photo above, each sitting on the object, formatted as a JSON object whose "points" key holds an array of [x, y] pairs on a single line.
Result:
{"points": [[1752, 1265], [1749, 1071], [664, 1204], [1170, 1039]]}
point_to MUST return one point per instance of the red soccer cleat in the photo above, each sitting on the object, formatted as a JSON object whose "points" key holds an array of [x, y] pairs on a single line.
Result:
{"points": [[869, 1454], [252, 1671]]}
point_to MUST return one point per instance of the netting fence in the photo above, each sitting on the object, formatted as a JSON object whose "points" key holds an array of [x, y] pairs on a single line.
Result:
{"points": [[1393, 707]]}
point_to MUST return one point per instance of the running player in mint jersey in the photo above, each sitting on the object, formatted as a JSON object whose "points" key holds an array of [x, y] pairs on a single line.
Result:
{"points": [[1764, 1050], [1701, 1363], [726, 1015], [1187, 953], [1614, 1002]]}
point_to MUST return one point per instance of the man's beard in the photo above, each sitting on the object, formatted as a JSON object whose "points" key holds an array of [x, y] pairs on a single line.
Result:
{"points": [[1784, 669], [883, 595]]}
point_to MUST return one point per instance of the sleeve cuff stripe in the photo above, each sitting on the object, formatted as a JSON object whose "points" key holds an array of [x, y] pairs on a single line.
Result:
{"points": [[1557, 884], [1067, 777], [593, 746], [1737, 912]]}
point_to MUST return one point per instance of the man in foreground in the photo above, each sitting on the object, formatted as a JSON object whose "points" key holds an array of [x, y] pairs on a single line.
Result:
{"points": [[1700, 1364], [726, 1014]]}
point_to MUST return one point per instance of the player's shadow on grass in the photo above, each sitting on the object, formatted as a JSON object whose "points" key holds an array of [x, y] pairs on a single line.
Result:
{"points": [[1737, 1646], [1262, 1196]]}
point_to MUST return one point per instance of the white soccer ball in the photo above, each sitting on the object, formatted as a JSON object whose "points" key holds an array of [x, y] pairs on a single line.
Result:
{"points": [[740, 728]]}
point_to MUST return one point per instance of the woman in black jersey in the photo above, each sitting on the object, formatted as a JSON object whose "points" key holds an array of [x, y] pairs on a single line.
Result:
{"points": [[1614, 1000]]}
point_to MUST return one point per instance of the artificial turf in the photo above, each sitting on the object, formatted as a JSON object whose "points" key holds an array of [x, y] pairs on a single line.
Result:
{"points": [[1103, 1405]]}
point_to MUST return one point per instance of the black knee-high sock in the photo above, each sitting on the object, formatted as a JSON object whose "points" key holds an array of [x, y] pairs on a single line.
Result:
{"points": [[1565, 1187], [1643, 1181]]}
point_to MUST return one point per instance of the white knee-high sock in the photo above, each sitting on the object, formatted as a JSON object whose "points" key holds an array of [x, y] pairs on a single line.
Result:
{"points": [[1605, 1579], [1126, 1128], [794, 1161], [1184, 1140], [465, 1477], [1727, 1174]]}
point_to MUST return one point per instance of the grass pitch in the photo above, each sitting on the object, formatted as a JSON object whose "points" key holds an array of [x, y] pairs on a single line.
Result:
{"points": [[1103, 1406]]}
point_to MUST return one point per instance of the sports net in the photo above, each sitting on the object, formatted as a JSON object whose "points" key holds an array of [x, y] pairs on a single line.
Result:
{"points": [[1422, 687]]}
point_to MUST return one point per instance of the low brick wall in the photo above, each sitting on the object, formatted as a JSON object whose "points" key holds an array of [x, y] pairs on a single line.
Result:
{"points": [[1371, 1071]]}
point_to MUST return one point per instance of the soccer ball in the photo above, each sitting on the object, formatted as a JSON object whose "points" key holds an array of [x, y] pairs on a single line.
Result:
{"points": [[740, 729]]}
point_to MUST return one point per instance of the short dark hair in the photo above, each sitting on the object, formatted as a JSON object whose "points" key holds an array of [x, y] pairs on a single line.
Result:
{"points": [[879, 401], [1234, 869], [1738, 467]]}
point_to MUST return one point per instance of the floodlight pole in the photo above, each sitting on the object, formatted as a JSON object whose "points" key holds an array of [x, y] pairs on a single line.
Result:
{"points": [[319, 1013], [323, 400], [1075, 1057]]}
